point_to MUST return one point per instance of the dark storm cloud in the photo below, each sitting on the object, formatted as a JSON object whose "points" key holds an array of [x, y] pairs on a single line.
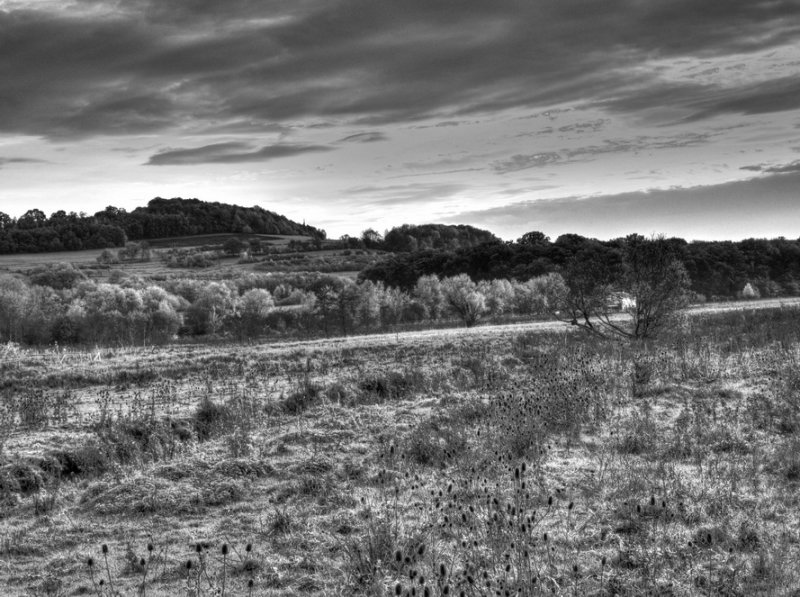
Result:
{"points": [[763, 203], [145, 66], [364, 138], [229, 153]]}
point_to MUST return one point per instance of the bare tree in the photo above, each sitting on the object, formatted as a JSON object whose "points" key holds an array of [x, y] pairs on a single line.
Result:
{"points": [[636, 299]]}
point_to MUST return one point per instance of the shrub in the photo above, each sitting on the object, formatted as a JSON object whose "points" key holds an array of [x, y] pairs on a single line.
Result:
{"points": [[302, 399], [86, 460], [128, 441], [21, 477], [210, 419], [393, 385]]}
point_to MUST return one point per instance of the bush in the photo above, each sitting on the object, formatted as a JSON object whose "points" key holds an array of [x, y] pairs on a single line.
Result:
{"points": [[393, 385], [135, 440], [210, 419], [85, 460], [21, 477], [58, 276], [304, 398]]}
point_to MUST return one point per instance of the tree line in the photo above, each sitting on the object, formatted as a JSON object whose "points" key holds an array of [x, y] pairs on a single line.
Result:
{"points": [[34, 232], [634, 294], [60, 304], [717, 270]]}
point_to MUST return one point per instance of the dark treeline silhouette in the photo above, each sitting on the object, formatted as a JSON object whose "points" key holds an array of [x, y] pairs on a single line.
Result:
{"points": [[717, 269], [34, 232], [185, 217]]}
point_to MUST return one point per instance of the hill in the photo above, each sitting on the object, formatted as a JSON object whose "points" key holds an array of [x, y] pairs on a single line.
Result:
{"points": [[34, 232], [188, 217]]}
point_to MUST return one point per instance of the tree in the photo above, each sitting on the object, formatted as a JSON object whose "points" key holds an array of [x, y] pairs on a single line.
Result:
{"points": [[255, 306], [463, 298], [534, 239], [233, 246], [589, 278], [58, 276], [14, 295], [650, 273], [107, 313], [393, 306], [428, 291], [657, 281], [369, 305], [162, 317], [540, 295], [33, 218], [499, 295], [372, 239], [215, 302], [750, 292]]}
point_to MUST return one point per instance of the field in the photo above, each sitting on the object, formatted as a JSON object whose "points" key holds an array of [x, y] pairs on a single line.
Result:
{"points": [[494, 461], [344, 262]]}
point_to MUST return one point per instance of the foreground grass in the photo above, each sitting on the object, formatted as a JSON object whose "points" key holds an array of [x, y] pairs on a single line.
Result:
{"points": [[527, 463]]}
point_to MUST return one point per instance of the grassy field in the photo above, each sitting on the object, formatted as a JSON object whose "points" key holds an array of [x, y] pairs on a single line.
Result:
{"points": [[29, 260], [343, 262], [516, 461]]}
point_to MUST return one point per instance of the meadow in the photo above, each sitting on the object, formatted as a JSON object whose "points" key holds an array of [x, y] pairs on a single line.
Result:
{"points": [[533, 461], [280, 257]]}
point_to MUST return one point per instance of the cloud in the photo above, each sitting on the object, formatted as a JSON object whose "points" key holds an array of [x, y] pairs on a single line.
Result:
{"points": [[641, 143], [769, 96], [761, 206], [784, 169], [398, 195], [144, 66], [4, 161], [591, 126], [781, 169], [229, 153], [370, 137], [524, 162]]}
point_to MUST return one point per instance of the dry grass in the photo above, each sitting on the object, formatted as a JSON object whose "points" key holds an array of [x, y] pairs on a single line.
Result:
{"points": [[481, 464]]}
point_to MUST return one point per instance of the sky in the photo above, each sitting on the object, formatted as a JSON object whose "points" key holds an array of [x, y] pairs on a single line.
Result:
{"points": [[601, 118]]}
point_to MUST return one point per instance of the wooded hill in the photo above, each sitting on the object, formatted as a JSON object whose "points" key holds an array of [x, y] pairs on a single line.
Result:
{"points": [[34, 232]]}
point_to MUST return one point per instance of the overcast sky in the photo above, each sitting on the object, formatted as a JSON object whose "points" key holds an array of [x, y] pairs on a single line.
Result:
{"points": [[596, 117]]}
